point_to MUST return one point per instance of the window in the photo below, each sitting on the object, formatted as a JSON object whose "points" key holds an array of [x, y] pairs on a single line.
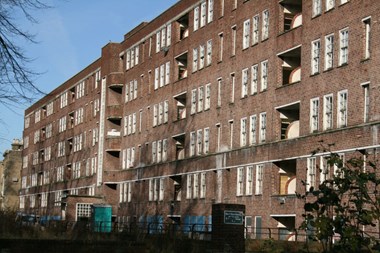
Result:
{"points": [[202, 193], [78, 116], [367, 37], [249, 181], [231, 122], [189, 186], [255, 30], [36, 136], [162, 75], [167, 74], [196, 18], [210, 13], [83, 210], [193, 101], [63, 100], [164, 150], [201, 56], [192, 143], [328, 112], [27, 122], [254, 78], [329, 51], [232, 97], [244, 83], [199, 141], [342, 108], [158, 41], [252, 129], [62, 124], [330, 4], [240, 181], [206, 140], [264, 75], [156, 78], [195, 59], [209, 53], [60, 173], [259, 179], [154, 152], [263, 126], [233, 40], [207, 96], [61, 148], [203, 14], [317, 7], [80, 89], [76, 170], [221, 42], [37, 116], [44, 199], [219, 102], [49, 108], [246, 33], [315, 56], [366, 101], [243, 132], [314, 115], [311, 173], [343, 46], [195, 185], [265, 28]]}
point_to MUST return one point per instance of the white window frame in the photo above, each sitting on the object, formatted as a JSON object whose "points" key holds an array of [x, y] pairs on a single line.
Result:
{"points": [[263, 125], [317, 7], [240, 181], [196, 18], [243, 132], [328, 115], [255, 29], [329, 51], [342, 111], [315, 56], [264, 75], [311, 180], [343, 46], [314, 115], [259, 179], [244, 82], [246, 33], [252, 129], [265, 25]]}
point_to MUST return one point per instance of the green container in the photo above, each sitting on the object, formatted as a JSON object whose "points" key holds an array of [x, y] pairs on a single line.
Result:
{"points": [[101, 216]]}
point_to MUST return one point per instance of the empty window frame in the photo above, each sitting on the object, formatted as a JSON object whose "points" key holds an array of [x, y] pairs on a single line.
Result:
{"points": [[343, 46], [315, 56], [314, 115], [342, 108]]}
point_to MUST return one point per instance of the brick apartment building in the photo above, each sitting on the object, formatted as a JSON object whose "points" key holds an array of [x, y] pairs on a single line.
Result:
{"points": [[10, 180], [213, 101]]}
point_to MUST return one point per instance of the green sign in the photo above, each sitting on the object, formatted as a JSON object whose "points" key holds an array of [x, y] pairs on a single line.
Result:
{"points": [[233, 217]]}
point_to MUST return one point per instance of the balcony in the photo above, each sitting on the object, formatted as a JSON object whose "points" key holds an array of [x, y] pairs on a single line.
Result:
{"points": [[291, 65], [292, 14], [289, 117]]}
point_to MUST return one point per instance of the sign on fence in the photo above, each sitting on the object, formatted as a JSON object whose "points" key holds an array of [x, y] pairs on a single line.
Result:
{"points": [[233, 217]]}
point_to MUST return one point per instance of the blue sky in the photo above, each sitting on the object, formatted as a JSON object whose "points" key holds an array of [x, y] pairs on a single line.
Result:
{"points": [[70, 37]]}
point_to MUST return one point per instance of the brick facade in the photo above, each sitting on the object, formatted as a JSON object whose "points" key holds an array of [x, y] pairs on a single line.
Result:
{"points": [[237, 124]]}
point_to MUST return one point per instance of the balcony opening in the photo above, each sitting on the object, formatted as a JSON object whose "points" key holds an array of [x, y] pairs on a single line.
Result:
{"points": [[177, 185], [286, 226], [42, 155], [291, 65], [183, 24], [289, 117], [181, 62], [71, 119], [70, 142], [292, 13], [287, 171], [118, 88], [113, 152], [180, 106], [179, 146], [72, 94]]}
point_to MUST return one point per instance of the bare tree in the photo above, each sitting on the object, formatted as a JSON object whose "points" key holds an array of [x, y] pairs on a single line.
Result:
{"points": [[16, 78]]}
